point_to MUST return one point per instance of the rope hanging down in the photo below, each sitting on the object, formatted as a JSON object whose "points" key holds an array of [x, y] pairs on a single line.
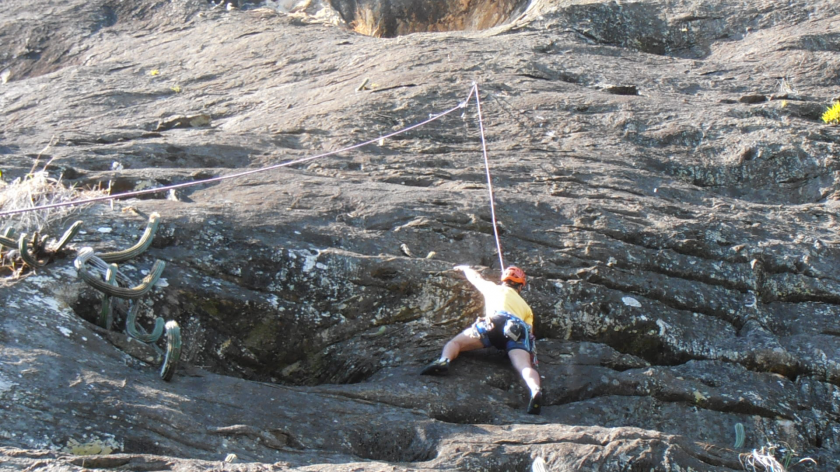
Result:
{"points": [[432, 117], [489, 180]]}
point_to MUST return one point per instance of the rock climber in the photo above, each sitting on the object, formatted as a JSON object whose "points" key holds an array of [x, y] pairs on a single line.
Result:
{"points": [[507, 324]]}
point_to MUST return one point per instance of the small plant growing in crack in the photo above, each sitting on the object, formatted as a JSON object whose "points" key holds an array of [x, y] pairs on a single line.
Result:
{"points": [[31, 252], [37, 189], [100, 272], [832, 115], [740, 435], [19, 252]]}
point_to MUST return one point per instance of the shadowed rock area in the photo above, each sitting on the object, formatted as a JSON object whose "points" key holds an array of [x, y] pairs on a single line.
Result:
{"points": [[660, 170]]}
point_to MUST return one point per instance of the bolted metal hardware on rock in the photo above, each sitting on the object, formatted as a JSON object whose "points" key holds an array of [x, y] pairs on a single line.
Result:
{"points": [[137, 249]]}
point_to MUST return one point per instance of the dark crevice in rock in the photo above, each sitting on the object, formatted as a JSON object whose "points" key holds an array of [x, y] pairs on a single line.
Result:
{"points": [[686, 398], [593, 275], [541, 72], [648, 242], [104, 18], [108, 138], [659, 294], [274, 439], [652, 349], [747, 409], [803, 289], [393, 445], [567, 191], [462, 415], [269, 343], [128, 184]]}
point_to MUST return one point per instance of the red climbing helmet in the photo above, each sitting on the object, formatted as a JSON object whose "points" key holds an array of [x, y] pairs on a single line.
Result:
{"points": [[514, 274]]}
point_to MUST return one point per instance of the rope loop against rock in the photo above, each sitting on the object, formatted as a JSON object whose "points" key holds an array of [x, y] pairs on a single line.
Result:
{"points": [[143, 244], [432, 117]]}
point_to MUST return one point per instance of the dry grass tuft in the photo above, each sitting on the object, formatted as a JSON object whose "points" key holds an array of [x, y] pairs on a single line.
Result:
{"points": [[764, 459], [37, 189]]}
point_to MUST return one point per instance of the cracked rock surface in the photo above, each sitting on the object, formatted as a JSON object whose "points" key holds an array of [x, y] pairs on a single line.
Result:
{"points": [[660, 171]]}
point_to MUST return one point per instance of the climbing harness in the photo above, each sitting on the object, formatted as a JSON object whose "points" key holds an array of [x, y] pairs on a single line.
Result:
{"points": [[498, 331]]}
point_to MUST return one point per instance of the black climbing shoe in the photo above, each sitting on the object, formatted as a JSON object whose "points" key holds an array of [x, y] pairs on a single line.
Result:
{"points": [[535, 405], [438, 367]]}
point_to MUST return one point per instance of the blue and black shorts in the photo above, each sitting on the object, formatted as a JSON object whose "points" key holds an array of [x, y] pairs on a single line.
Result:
{"points": [[492, 333]]}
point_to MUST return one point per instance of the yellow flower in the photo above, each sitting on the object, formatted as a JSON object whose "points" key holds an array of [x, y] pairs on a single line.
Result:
{"points": [[832, 115], [154, 72]]}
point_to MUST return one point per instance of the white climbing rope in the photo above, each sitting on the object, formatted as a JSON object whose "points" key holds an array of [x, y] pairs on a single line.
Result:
{"points": [[489, 179]]}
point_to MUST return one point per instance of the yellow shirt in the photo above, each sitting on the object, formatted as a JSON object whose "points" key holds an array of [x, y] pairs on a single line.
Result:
{"points": [[501, 298]]}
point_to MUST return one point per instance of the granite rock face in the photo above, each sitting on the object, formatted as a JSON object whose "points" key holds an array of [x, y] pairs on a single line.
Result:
{"points": [[659, 168]]}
